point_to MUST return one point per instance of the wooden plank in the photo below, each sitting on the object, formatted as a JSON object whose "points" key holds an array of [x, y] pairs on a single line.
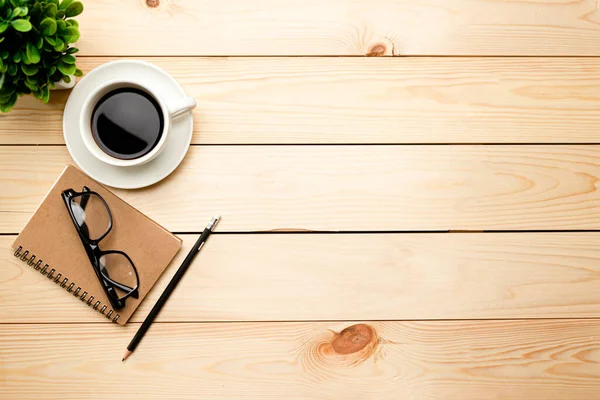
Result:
{"points": [[463, 360], [296, 277], [360, 100], [341, 27], [347, 188]]}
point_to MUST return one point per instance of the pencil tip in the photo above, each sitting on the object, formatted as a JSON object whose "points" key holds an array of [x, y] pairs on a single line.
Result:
{"points": [[127, 354]]}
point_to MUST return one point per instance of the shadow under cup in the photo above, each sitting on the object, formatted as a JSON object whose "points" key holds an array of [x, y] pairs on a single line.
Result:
{"points": [[127, 122]]}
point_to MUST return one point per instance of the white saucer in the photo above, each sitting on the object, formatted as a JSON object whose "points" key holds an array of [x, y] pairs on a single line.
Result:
{"points": [[140, 175]]}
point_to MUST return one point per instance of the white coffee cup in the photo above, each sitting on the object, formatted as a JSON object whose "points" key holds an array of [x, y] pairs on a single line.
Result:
{"points": [[169, 112]]}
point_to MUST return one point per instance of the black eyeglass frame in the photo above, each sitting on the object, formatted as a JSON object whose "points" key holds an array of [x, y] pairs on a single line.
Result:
{"points": [[94, 252]]}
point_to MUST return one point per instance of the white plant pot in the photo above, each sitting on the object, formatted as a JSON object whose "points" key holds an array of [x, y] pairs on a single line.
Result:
{"points": [[61, 85]]}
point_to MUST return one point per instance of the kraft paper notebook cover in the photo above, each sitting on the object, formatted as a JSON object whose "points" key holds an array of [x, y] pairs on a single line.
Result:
{"points": [[50, 244]]}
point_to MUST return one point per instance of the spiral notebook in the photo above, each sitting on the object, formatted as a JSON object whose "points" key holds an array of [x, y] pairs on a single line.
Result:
{"points": [[50, 244]]}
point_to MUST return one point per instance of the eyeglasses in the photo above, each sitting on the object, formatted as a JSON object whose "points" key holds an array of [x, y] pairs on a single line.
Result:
{"points": [[93, 220]]}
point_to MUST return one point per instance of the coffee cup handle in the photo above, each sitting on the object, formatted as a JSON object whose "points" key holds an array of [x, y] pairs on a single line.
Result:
{"points": [[185, 106]]}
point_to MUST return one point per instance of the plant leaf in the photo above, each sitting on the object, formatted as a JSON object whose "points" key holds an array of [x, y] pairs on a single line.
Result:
{"points": [[31, 86], [6, 91], [12, 69], [72, 50], [66, 78], [61, 25], [50, 40], [24, 58], [48, 26], [3, 26], [18, 11], [78, 73], [4, 54], [1, 3], [71, 35], [33, 54], [73, 22], [68, 59], [36, 11], [40, 43], [66, 69], [3, 67], [60, 14], [17, 57], [59, 45], [21, 25], [29, 70], [52, 70], [50, 9], [6, 107], [2, 80], [64, 4], [32, 80], [46, 94], [74, 9]]}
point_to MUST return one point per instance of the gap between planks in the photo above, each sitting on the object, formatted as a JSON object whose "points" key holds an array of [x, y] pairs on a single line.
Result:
{"points": [[319, 321]]}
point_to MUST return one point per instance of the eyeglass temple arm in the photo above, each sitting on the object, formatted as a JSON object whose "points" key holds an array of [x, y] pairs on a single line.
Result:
{"points": [[84, 199], [82, 204]]}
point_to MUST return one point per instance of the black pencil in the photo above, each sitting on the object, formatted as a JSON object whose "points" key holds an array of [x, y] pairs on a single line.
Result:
{"points": [[170, 287]]}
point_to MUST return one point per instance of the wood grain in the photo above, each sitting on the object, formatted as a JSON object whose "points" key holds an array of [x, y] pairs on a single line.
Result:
{"points": [[346, 188], [291, 277], [214, 339], [537, 360], [362, 100], [341, 27]]}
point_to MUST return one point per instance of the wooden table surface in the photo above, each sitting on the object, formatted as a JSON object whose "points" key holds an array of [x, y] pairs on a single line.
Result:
{"points": [[421, 225]]}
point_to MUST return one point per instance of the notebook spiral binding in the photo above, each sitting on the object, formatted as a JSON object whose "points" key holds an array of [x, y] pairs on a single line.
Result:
{"points": [[37, 265]]}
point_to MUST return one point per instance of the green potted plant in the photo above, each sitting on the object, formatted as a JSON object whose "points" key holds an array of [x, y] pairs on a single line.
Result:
{"points": [[35, 47]]}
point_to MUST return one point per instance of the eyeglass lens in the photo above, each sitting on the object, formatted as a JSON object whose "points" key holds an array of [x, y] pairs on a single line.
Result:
{"points": [[91, 215], [118, 268]]}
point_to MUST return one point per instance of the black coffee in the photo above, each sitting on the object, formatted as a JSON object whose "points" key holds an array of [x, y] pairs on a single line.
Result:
{"points": [[127, 123]]}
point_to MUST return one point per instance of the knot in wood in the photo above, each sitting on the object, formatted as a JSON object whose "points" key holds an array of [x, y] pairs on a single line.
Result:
{"points": [[353, 339], [152, 3], [348, 348], [377, 50]]}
